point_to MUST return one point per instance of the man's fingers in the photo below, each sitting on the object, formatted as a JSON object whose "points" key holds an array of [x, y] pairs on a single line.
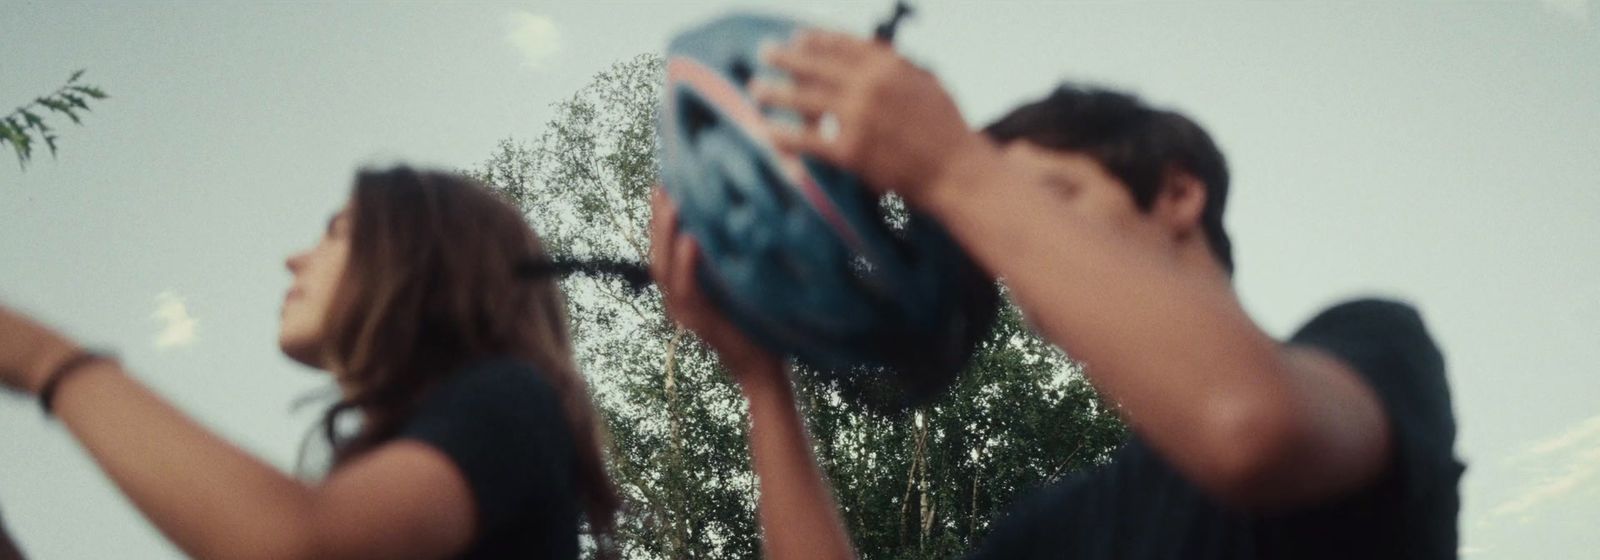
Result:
{"points": [[685, 294], [807, 69], [809, 140], [810, 102], [663, 231], [833, 45]]}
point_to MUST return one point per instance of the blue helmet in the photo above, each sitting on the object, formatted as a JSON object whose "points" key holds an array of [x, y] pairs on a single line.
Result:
{"points": [[800, 255]]}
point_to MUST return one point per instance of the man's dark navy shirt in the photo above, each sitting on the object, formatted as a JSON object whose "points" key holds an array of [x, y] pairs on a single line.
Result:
{"points": [[1138, 507]]}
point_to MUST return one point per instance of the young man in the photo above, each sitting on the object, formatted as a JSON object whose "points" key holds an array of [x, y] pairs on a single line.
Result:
{"points": [[1104, 217]]}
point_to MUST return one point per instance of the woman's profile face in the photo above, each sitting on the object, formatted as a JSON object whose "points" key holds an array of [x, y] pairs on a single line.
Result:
{"points": [[317, 272]]}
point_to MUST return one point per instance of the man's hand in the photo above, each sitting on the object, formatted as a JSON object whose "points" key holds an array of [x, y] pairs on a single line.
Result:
{"points": [[673, 259], [895, 125]]}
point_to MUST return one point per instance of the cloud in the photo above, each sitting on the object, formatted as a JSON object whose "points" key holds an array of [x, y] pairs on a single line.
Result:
{"points": [[177, 325], [1585, 430], [533, 35], [1568, 464]]}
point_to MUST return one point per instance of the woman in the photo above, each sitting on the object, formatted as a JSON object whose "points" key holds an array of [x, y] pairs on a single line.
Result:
{"points": [[477, 438], [8, 550]]}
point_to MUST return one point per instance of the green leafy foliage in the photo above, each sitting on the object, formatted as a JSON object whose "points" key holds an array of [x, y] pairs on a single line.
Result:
{"points": [[928, 484], [924, 484], [676, 426], [23, 127]]}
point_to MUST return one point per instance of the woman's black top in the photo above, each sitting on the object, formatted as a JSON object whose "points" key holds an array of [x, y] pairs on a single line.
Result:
{"points": [[503, 426]]}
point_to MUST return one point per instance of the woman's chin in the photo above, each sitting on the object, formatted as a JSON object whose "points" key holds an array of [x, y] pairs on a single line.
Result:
{"points": [[299, 352]]}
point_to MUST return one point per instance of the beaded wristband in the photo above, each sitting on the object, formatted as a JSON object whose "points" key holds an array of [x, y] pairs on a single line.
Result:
{"points": [[72, 365]]}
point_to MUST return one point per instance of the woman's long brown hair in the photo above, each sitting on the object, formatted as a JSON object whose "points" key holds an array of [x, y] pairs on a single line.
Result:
{"points": [[431, 286]]}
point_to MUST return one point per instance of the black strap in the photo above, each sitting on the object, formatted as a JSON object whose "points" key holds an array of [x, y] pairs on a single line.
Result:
{"points": [[633, 274], [52, 383], [885, 30]]}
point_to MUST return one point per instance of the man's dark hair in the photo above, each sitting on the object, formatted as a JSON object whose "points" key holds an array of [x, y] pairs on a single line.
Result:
{"points": [[1136, 143]]}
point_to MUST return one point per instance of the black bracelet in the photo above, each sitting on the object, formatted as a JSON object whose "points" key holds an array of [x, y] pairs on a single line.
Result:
{"points": [[74, 364]]}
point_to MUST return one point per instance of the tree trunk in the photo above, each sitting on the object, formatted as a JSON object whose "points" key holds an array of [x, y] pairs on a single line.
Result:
{"points": [[925, 506], [928, 508], [918, 455], [678, 526]]}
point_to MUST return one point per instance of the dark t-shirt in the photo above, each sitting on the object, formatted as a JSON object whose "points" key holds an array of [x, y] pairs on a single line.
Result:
{"points": [[1138, 507], [503, 427]]}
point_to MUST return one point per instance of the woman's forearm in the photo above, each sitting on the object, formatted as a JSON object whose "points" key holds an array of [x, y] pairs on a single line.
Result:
{"points": [[209, 497], [798, 515]]}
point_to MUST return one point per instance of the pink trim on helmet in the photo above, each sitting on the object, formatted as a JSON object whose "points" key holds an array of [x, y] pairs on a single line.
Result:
{"points": [[742, 110]]}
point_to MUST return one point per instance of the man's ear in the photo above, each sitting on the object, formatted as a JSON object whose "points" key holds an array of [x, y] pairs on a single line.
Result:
{"points": [[1181, 202]]}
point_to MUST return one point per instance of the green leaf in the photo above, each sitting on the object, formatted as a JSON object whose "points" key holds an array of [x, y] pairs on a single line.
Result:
{"points": [[20, 142], [60, 107], [90, 91], [54, 105], [6, 133], [75, 101], [34, 120], [26, 125]]}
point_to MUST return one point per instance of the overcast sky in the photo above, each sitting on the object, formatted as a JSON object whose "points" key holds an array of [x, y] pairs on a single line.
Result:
{"points": [[1446, 153]]}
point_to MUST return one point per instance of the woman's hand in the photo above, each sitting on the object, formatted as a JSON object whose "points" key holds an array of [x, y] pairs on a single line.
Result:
{"points": [[29, 351], [797, 512], [673, 259]]}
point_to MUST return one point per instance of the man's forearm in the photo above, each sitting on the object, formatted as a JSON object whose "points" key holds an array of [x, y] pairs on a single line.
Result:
{"points": [[1173, 347], [798, 515]]}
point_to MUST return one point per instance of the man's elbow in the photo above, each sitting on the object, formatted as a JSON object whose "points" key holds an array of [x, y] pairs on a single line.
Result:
{"points": [[1250, 442]]}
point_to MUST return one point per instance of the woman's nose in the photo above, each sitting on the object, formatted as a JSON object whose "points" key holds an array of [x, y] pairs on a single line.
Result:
{"points": [[295, 262]]}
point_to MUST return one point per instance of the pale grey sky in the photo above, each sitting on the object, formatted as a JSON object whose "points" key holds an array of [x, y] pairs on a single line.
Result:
{"points": [[1443, 152]]}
